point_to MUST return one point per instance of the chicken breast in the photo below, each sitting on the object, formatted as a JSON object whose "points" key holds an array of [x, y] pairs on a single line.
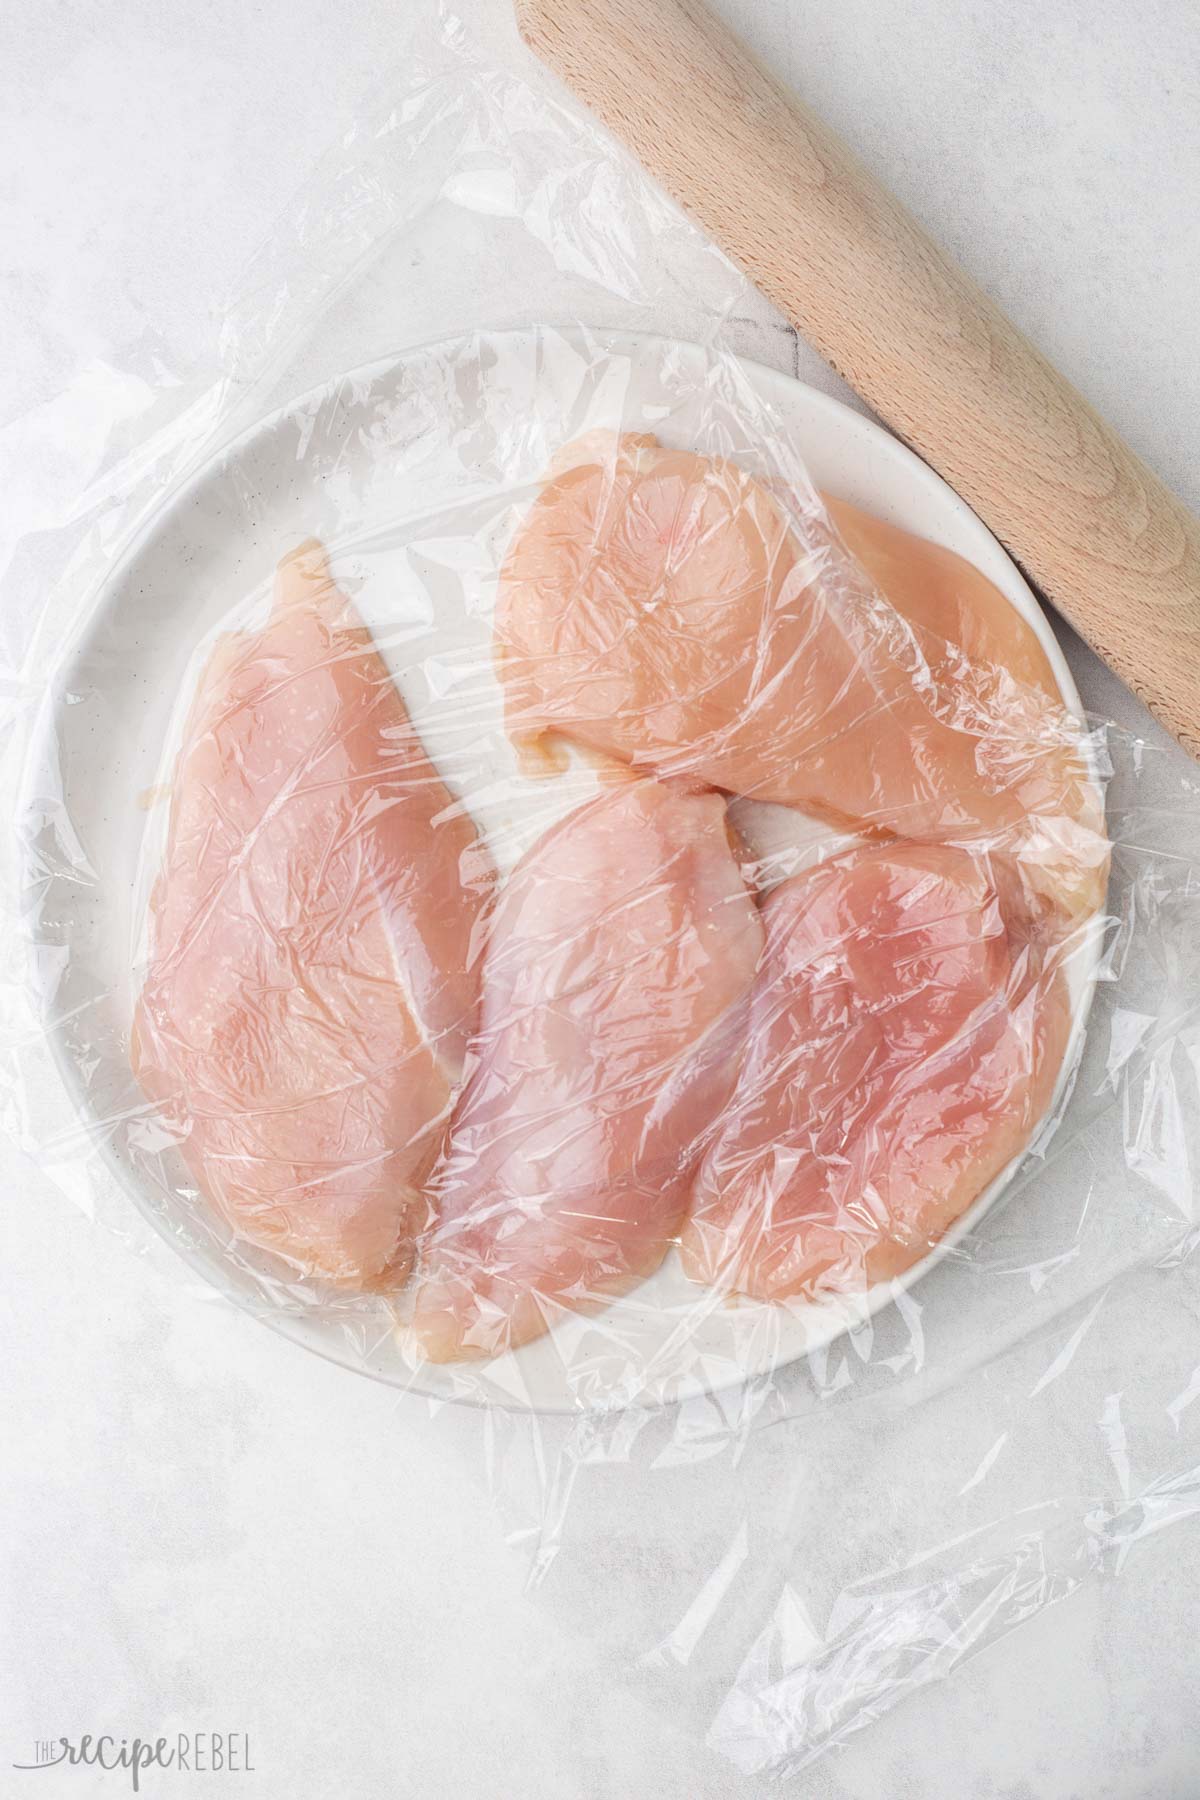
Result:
{"points": [[619, 959], [311, 983], [655, 606], [901, 1051]]}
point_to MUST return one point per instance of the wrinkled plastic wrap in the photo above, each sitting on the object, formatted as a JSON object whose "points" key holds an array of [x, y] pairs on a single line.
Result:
{"points": [[534, 884]]}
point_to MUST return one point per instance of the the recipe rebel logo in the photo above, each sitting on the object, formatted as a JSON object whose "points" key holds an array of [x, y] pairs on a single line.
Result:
{"points": [[196, 1753]]}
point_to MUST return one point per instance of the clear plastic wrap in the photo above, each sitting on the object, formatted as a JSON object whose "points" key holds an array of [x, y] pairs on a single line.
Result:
{"points": [[564, 871]]}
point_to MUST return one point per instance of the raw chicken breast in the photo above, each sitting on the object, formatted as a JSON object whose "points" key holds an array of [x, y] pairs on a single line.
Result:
{"points": [[655, 606], [311, 987], [619, 959], [901, 1051], [945, 596]]}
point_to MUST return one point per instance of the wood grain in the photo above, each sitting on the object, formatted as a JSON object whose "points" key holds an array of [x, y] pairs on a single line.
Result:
{"points": [[1098, 532]]}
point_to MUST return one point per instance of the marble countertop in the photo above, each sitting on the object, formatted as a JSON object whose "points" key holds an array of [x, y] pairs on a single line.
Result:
{"points": [[207, 1530]]}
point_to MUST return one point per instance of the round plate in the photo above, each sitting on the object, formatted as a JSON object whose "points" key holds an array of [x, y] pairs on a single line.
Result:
{"points": [[413, 472]]}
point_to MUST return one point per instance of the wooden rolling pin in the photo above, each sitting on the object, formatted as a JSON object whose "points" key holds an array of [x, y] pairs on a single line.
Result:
{"points": [[1097, 531]]}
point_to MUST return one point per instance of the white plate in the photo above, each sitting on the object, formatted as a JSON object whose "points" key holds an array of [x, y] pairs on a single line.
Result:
{"points": [[434, 436]]}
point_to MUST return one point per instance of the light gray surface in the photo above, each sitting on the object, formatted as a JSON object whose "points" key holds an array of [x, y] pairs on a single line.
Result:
{"points": [[204, 1529]]}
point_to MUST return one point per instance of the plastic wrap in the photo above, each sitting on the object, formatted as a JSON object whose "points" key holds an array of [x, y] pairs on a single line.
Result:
{"points": [[565, 872]]}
